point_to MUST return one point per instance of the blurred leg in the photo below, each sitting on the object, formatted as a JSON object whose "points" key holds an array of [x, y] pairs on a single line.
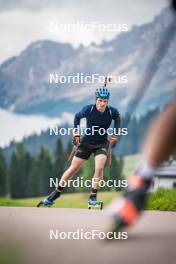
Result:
{"points": [[161, 140], [160, 143]]}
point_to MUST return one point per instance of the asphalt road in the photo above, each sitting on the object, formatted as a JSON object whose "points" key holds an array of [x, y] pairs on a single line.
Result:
{"points": [[25, 237]]}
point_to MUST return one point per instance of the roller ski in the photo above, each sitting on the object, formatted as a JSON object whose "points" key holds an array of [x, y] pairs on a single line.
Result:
{"points": [[93, 203], [45, 202], [49, 201]]}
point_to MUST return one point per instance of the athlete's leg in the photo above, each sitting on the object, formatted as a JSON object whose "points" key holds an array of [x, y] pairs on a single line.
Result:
{"points": [[159, 145], [82, 153], [71, 171], [68, 174], [160, 142], [100, 161]]}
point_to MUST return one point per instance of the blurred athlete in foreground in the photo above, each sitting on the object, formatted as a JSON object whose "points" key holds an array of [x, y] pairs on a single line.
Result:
{"points": [[160, 143]]}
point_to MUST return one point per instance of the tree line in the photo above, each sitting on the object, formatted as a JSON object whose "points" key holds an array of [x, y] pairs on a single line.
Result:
{"points": [[29, 176], [28, 172]]}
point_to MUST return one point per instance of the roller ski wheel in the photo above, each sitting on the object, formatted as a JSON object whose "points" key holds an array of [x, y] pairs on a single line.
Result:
{"points": [[95, 204]]}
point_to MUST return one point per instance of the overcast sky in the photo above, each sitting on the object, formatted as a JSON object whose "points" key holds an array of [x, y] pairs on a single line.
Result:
{"points": [[25, 21]]}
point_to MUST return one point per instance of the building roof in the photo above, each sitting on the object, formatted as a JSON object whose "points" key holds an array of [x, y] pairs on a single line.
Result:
{"points": [[167, 170]]}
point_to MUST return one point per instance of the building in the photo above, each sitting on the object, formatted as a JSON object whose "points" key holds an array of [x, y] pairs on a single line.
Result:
{"points": [[165, 176]]}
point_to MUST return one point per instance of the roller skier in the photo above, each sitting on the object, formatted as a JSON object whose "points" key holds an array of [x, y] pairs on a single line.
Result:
{"points": [[99, 115]]}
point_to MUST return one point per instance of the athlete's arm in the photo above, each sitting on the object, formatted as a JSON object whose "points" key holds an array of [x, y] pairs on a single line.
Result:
{"points": [[116, 118]]}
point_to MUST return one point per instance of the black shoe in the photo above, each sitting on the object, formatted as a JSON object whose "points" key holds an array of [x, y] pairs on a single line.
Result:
{"points": [[126, 211]]}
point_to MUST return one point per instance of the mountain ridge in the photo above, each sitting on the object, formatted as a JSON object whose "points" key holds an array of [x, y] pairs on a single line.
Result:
{"points": [[24, 80]]}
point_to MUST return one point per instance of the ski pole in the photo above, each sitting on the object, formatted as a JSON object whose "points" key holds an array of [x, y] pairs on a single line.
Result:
{"points": [[110, 159], [71, 155]]}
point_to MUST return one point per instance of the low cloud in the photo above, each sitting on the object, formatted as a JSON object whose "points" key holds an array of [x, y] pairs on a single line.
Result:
{"points": [[16, 127]]}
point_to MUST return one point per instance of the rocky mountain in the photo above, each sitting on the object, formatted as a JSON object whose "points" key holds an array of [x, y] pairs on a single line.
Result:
{"points": [[24, 80]]}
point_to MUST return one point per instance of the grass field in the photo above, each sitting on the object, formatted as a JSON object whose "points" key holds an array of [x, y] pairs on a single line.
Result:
{"points": [[162, 199], [74, 200]]}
